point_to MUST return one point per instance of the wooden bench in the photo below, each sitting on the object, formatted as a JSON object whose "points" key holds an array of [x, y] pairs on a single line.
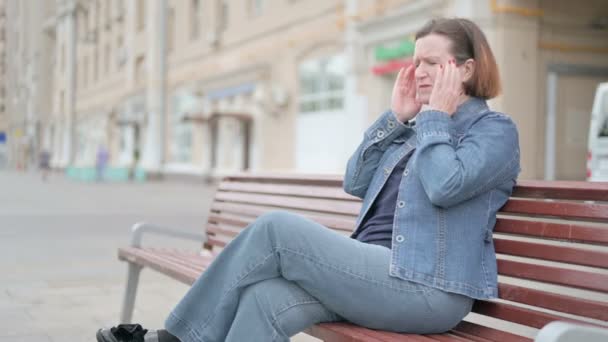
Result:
{"points": [[551, 239]]}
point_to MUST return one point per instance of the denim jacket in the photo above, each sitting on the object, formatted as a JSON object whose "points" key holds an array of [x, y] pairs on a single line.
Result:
{"points": [[461, 173]]}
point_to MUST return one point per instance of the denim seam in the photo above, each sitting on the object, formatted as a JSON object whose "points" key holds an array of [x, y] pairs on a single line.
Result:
{"points": [[435, 134], [498, 175], [275, 317], [441, 252], [232, 287], [191, 331], [352, 274], [448, 284], [483, 243]]}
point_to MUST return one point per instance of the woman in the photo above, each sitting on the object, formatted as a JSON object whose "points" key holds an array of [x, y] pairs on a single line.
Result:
{"points": [[422, 250]]}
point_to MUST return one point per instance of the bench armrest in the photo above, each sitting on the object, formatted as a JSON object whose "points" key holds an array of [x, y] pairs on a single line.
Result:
{"points": [[569, 332], [139, 229]]}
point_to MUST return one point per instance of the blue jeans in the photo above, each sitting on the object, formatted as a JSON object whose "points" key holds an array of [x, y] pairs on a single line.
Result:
{"points": [[285, 273]]}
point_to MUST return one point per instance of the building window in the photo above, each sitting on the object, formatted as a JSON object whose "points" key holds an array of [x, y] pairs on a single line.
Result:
{"points": [[195, 17], [322, 84], [181, 142], [256, 7], [141, 15]]}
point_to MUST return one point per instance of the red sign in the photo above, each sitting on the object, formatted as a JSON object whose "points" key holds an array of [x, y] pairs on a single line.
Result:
{"points": [[391, 66]]}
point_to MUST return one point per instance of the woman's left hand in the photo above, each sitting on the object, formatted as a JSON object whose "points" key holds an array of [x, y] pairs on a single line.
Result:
{"points": [[448, 89]]}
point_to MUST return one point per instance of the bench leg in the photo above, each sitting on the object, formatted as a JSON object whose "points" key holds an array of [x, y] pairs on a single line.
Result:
{"points": [[128, 303]]}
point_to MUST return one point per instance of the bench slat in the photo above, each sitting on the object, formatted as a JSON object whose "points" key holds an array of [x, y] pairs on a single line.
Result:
{"points": [[565, 210], [572, 255], [336, 332], [555, 275], [218, 230], [293, 178], [552, 301], [474, 330], [448, 337], [309, 191], [334, 223], [191, 264], [517, 314], [217, 241], [140, 257], [572, 190], [561, 231], [335, 207]]}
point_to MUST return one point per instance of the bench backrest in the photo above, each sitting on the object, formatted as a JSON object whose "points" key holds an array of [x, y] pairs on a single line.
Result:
{"points": [[551, 239]]}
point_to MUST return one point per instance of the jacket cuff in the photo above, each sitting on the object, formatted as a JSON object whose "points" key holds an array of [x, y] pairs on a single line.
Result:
{"points": [[433, 124], [387, 128]]}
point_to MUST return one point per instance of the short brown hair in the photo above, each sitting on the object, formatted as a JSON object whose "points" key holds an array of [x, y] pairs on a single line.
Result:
{"points": [[468, 41]]}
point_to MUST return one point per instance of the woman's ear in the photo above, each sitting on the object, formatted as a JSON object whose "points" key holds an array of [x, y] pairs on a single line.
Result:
{"points": [[468, 68]]}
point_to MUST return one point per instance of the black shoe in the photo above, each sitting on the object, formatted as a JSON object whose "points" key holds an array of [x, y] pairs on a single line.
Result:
{"points": [[126, 333]]}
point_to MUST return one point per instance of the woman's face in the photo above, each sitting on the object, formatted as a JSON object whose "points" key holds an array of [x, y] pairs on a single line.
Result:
{"points": [[430, 52]]}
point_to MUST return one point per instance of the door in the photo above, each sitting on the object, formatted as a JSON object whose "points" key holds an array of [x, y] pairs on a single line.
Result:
{"points": [[574, 102]]}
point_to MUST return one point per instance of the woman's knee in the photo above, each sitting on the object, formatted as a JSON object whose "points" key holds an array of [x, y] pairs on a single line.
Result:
{"points": [[276, 221]]}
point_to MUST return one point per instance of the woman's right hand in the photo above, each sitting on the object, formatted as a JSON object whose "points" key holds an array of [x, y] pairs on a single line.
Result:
{"points": [[403, 101]]}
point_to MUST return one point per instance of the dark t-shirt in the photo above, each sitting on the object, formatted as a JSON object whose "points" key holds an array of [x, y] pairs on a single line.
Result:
{"points": [[377, 227]]}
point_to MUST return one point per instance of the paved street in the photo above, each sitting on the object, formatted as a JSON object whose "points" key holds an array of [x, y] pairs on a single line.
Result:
{"points": [[59, 276]]}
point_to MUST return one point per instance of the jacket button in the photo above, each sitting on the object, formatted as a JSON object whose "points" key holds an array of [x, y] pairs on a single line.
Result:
{"points": [[391, 124], [399, 238], [406, 172], [380, 134], [387, 171], [401, 204]]}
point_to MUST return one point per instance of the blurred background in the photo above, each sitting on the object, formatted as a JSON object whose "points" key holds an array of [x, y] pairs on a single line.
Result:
{"points": [[101, 98], [201, 88]]}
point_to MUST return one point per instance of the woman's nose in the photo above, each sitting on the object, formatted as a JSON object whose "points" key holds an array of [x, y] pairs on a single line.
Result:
{"points": [[419, 73]]}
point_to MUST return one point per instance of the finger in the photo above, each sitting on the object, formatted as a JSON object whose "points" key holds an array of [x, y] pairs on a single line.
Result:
{"points": [[398, 87], [447, 79], [439, 78], [399, 77], [404, 80], [409, 72], [410, 79], [454, 77]]}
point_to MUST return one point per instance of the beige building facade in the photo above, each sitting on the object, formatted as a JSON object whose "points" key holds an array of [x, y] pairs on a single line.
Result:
{"points": [[27, 78], [208, 87]]}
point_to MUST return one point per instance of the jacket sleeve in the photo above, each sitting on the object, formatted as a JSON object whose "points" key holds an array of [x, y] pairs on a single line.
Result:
{"points": [[454, 171], [363, 163]]}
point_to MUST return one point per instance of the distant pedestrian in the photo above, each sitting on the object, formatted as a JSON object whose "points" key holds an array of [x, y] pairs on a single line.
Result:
{"points": [[101, 162], [44, 163]]}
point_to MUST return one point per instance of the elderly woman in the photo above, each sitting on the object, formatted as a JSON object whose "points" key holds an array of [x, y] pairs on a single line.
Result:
{"points": [[421, 251]]}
